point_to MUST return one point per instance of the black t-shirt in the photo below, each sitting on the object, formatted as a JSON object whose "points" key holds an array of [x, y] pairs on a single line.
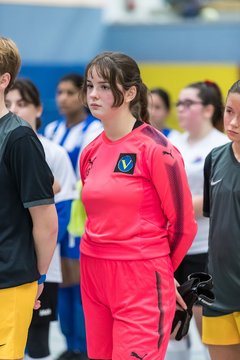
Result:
{"points": [[222, 205], [25, 181]]}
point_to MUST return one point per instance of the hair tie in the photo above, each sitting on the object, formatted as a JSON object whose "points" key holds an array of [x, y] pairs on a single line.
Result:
{"points": [[209, 83]]}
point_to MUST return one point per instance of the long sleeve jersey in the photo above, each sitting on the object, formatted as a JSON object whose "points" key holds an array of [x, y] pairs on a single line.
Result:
{"points": [[136, 197]]}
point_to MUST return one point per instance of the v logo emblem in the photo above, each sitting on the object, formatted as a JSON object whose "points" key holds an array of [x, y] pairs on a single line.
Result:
{"points": [[125, 165]]}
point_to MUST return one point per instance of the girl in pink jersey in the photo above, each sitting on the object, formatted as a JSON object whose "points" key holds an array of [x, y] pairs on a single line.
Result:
{"points": [[140, 220]]}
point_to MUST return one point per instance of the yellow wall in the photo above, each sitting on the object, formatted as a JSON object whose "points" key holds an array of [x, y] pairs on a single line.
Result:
{"points": [[173, 77]]}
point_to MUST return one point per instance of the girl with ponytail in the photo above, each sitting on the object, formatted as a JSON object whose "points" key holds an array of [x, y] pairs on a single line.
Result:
{"points": [[135, 193], [200, 113]]}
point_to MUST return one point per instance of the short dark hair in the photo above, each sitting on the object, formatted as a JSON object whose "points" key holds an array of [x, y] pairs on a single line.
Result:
{"points": [[75, 78], [163, 95], [29, 94]]}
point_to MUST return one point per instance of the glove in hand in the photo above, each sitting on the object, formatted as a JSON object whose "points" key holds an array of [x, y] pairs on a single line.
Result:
{"points": [[196, 290]]}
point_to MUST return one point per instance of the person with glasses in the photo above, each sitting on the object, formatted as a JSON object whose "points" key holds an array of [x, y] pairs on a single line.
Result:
{"points": [[200, 114]]}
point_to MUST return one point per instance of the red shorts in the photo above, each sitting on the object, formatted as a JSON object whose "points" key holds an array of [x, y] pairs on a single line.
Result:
{"points": [[128, 306]]}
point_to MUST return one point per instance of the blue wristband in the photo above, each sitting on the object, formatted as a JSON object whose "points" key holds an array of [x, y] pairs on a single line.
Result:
{"points": [[42, 279]]}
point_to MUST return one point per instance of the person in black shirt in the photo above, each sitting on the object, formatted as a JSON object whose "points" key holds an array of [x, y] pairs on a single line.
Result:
{"points": [[221, 321], [28, 225]]}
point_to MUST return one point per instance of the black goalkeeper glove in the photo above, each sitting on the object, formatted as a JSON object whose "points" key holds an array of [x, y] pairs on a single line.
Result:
{"points": [[196, 290]]}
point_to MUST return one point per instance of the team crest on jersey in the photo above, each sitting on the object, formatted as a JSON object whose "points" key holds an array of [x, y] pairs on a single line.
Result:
{"points": [[126, 163]]}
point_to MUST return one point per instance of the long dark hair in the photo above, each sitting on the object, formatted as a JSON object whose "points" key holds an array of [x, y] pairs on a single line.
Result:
{"points": [[210, 94], [117, 68]]}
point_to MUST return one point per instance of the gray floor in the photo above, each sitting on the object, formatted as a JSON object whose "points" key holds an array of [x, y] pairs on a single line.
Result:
{"points": [[57, 342]]}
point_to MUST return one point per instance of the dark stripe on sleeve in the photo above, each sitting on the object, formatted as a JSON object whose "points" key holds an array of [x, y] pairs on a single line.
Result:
{"points": [[38, 203], [174, 177], [161, 312], [155, 135]]}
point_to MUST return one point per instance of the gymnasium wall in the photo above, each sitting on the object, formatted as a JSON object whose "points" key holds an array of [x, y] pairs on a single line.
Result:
{"points": [[174, 77], [54, 40]]}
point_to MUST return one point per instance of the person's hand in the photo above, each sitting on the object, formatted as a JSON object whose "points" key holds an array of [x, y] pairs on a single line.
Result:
{"points": [[180, 302], [37, 303], [56, 187]]}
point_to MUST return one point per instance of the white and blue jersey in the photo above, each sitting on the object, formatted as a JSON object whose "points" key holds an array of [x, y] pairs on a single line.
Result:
{"points": [[73, 139], [60, 164]]}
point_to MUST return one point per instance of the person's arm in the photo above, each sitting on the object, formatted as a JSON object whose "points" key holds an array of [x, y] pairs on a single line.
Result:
{"points": [[170, 180], [198, 205], [198, 199], [206, 187], [34, 184], [45, 230], [56, 187], [179, 300], [202, 200]]}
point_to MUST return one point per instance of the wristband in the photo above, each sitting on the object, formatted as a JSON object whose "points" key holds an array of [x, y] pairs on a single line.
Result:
{"points": [[42, 279]]}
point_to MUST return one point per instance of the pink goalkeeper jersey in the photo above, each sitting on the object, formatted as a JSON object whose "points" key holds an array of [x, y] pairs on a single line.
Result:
{"points": [[137, 198]]}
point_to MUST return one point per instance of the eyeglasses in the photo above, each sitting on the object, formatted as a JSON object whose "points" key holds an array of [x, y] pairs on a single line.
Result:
{"points": [[187, 103]]}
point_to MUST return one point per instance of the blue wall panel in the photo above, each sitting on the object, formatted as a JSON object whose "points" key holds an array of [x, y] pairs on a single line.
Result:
{"points": [[46, 79], [62, 35], [57, 40], [57, 35], [190, 41]]}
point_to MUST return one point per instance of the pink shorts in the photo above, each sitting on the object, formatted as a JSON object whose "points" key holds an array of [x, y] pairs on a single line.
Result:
{"points": [[128, 306]]}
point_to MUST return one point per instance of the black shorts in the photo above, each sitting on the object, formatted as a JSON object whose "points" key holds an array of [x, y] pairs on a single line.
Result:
{"points": [[191, 264], [48, 309]]}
